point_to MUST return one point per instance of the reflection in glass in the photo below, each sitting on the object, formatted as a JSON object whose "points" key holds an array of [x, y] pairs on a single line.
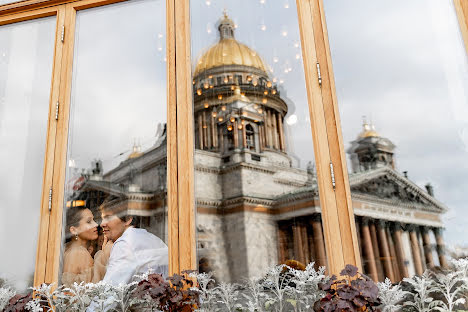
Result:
{"points": [[26, 54], [115, 221], [402, 65], [255, 183]]}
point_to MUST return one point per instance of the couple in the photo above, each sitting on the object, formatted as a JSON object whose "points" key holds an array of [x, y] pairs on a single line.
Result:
{"points": [[126, 250]]}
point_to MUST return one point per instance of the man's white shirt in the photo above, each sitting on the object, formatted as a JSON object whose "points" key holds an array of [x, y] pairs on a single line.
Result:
{"points": [[134, 253]]}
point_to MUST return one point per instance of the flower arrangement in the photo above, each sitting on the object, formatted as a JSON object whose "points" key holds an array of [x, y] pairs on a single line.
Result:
{"points": [[287, 287]]}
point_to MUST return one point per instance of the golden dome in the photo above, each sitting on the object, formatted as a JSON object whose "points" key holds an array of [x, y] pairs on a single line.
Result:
{"points": [[368, 131], [228, 51], [136, 152]]}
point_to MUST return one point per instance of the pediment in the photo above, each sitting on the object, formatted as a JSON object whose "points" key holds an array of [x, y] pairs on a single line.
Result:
{"points": [[387, 184]]}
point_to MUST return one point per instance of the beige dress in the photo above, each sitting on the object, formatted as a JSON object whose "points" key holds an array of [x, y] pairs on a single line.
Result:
{"points": [[79, 266]]}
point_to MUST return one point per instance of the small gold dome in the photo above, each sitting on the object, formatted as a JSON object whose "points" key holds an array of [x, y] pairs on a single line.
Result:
{"points": [[136, 152], [228, 51], [368, 131]]}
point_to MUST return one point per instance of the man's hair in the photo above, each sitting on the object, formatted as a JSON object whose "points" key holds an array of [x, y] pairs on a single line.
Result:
{"points": [[118, 206]]}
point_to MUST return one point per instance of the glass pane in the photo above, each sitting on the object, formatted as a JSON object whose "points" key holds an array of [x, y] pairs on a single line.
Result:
{"points": [[255, 182], [26, 55], [8, 1], [116, 174], [402, 65]]}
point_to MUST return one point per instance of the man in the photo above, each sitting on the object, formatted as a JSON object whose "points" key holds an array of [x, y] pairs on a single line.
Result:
{"points": [[135, 251]]}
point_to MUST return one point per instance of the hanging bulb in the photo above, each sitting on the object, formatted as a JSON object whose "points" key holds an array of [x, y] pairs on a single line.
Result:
{"points": [[193, 82], [232, 119], [214, 114], [206, 85], [242, 122], [229, 127], [210, 76], [223, 108], [239, 127], [264, 100], [255, 82], [275, 80], [206, 105], [220, 119], [263, 27], [243, 93], [260, 110], [275, 59], [249, 78], [211, 86], [199, 91], [265, 92], [220, 96], [273, 91], [204, 127], [232, 88], [225, 80], [269, 84]]}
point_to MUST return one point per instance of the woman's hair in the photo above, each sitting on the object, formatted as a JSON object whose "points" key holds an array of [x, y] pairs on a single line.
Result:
{"points": [[73, 217]]}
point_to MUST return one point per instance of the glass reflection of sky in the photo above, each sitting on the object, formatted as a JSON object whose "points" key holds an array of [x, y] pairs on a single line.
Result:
{"points": [[403, 64]]}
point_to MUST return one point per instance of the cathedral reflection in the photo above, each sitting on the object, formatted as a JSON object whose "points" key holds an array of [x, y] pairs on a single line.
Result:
{"points": [[254, 207]]}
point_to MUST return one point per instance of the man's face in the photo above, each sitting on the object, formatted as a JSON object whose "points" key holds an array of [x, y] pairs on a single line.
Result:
{"points": [[112, 226]]}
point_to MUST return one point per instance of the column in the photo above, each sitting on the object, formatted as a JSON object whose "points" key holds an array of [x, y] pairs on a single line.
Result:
{"points": [[400, 254], [415, 249], [200, 131], [215, 133], [244, 137], [205, 130], [427, 247], [268, 130], [261, 137], [305, 244], [281, 132], [368, 252], [440, 247], [282, 245], [319, 242], [212, 127], [221, 139], [393, 257], [387, 263], [297, 235], [235, 133], [375, 247], [275, 131], [312, 255]]}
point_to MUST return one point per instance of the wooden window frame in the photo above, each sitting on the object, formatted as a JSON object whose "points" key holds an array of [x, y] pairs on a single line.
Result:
{"points": [[461, 7], [335, 201]]}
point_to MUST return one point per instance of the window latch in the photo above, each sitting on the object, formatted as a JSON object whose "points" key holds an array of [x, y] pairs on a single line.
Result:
{"points": [[332, 173], [50, 199], [319, 74], [62, 37], [57, 110]]}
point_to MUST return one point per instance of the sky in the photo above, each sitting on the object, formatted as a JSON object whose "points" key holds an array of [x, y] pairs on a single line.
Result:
{"points": [[400, 63]]}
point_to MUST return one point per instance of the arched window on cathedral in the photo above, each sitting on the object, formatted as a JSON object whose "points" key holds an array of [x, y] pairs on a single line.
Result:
{"points": [[250, 137], [230, 140]]}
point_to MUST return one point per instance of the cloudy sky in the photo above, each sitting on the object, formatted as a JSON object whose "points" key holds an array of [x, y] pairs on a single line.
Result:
{"points": [[400, 63]]}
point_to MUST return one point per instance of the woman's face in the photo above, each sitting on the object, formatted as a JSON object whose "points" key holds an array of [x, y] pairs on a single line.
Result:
{"points": [[87, 228]]}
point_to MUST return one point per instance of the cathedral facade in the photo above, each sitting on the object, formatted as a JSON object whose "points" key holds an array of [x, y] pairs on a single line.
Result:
{"points": [[256, 209]]}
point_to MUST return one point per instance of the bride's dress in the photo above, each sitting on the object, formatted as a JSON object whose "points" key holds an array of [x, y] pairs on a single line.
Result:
{"points": [[79, 266]]}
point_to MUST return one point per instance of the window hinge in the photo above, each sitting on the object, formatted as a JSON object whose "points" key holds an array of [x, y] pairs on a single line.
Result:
{"points": [[62, 37], [57, 110], [332, 172], [50, 199], [319, 74]]}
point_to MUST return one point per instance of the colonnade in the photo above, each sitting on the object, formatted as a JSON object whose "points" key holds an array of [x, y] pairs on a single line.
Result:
{"points": [[388, 249], [383, 248], [211, 137]]}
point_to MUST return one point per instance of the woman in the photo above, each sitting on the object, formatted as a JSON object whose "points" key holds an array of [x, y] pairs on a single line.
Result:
{"points": [[78, 264]]}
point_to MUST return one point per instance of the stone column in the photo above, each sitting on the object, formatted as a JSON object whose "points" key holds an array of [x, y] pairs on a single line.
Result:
{"points": [[399, 250], [235, 133], [282, 245], [393, 257], [368, 250], [305, 244], [244, 137], [440, 247], [383, 243], [200, 131], [275, 131], [427, 247], [298, 251], [205, 130], [268, 130], [261, 137], [281, 132], [375, 247], [221, 140], [213, 134], [416, 251], [319, 243]]}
